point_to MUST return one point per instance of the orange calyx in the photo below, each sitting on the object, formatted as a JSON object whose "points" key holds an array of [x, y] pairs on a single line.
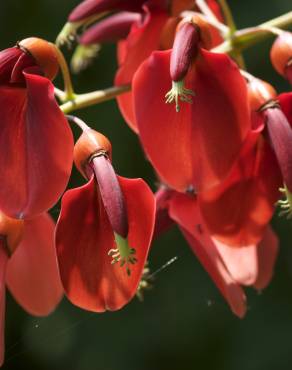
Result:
{"points": [[91, 143], [44, 53], [260, 93]]}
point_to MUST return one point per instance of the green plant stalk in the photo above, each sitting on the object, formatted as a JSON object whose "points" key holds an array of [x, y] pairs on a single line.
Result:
{"points": [[92, 98]]}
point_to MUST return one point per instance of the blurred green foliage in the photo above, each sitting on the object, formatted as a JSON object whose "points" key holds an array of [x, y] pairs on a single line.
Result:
{"points": [[183, 324]]}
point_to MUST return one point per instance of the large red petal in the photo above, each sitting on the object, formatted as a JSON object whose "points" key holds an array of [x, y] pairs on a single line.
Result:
{"points": [[185, 212], [199, 145], [84, 238], [237, 212], [142, 40], [36, 148], [32, 273], [3, 266], [267, 254]]}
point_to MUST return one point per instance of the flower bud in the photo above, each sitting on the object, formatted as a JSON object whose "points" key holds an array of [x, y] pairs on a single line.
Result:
{"points": [[280, 134], [111, 29], [259, 93], [204, 29], [44, 53], [11, 231], [185, 49], [89, 144], [89, 8], [281, 55]]}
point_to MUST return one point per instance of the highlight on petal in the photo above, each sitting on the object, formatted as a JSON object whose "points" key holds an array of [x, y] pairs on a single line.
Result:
{"points": [[237, 212], [242, 263], [142, 40], [32, 271], [207, 141], [184, 210], [84, 238], [267, 253], [36, 148]]}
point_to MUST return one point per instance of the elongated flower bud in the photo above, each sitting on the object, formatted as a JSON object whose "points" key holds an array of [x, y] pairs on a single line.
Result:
{"points": [[111, 29], [44, 53], [184, 51], [281, 55], [111, 194], [11, 231], [91, 7], [280, 134]]}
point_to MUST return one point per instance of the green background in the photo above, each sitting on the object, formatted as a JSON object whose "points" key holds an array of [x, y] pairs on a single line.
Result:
{"points": [[183, 324]]}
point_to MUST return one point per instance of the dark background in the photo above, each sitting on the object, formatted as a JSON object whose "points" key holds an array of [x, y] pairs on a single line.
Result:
{"points": [[184, 323]]}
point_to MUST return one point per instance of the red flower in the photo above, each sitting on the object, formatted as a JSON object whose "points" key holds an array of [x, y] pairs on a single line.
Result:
{"points": [[229, 267], [104, 231], [197, 147], [36, 141], [31, 273]]}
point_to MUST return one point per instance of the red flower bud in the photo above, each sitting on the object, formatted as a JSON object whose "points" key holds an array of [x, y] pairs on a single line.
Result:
{"points": [[281, 55], [260, 93], [11, 231], [111, 194], [89, 8], [89, 144], [111, 29], [204, 29], [280, 134], [44, 53], [185, 49]]}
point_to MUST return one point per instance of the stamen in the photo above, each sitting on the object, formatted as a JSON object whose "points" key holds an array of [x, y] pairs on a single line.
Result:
{"points": [[68, 34], [123, 254], [83, 57], [145, 283], [285, 204], [179, 92]]}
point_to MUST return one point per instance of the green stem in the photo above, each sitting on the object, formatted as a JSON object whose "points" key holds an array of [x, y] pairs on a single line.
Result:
{"points": [[227, 16], [247, 37], [69, 92], [95, 97]]}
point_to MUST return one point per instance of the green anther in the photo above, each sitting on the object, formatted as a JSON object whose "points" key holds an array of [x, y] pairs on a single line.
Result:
{"points": [[123, 253], [285, 204], [83, 56], [179, 92]]}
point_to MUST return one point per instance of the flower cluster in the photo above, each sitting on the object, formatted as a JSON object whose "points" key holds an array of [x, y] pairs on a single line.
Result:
{"points": [[218, 138]]}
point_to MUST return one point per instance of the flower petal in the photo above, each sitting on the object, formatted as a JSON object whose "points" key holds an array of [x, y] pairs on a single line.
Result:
{"points": [[36, 148], [84, 237], [237, 212], [197, 146], [32, 271], [8, 58], [267, 254], [184, 210], [242, 263], [142, 40]]}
